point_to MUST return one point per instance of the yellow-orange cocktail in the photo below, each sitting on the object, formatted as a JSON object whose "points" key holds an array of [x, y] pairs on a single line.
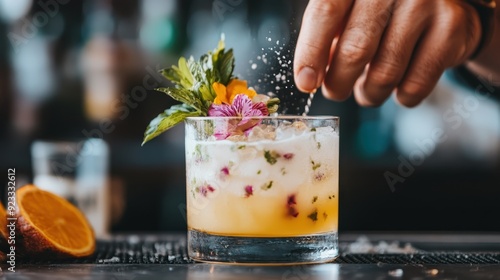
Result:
{"points": [[275, 182]]}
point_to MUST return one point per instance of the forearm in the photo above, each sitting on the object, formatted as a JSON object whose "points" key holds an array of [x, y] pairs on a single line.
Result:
{"points": [[487, 63]]}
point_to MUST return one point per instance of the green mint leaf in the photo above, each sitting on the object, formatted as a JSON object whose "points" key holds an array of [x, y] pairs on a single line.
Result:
{"points": [[181, 74], [199, 155], [194, 79], [218, 66], [185, 96], [179, 94], [271, 157], [315, 165], [272, 105], [186, 72], [168, 119], [206, 92], [267, 186], [224, 65], [172, 74]]}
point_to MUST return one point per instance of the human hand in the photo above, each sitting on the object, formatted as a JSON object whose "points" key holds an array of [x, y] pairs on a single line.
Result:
{"points": [[376, 46]]}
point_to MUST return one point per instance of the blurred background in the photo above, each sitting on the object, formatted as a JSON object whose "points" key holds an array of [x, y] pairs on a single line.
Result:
{"points": [[74, 70]]}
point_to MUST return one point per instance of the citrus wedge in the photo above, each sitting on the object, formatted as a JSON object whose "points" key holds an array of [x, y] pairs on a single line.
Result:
{"points": [[52, 227]]}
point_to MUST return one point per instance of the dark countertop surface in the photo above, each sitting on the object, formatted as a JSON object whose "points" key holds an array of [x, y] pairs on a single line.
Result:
{"points": [[215, 271], [363, 256]]}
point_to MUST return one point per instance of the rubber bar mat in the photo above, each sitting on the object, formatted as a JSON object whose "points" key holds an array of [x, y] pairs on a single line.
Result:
{"points": [[173, 251]]}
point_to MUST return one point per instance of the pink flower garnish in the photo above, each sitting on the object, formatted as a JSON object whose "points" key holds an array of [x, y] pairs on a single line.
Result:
{"points": [[224, 173], [205, 189], [290, 203], [248, 191], [243, 107], [319, 176], [291, 200], [288, 155], [293, 212]]}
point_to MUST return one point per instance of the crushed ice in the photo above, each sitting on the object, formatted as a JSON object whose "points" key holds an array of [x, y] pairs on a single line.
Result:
{"points": [[111, 260], [363, 246]]}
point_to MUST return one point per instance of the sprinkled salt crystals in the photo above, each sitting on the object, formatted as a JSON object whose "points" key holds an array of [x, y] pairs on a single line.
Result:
{"points": [[111, 260], [363, 246], [396, 272], [274, 64]]}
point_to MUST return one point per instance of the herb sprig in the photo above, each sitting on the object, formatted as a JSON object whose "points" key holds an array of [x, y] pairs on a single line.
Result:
{"points": [[207, 87], [193, 81]]}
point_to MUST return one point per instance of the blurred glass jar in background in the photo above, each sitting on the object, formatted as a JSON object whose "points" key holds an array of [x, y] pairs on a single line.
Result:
{"points": [[77, 171]]}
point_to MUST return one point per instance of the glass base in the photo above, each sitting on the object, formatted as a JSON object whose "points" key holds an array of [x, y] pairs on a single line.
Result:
{"points": [[317, 248]]}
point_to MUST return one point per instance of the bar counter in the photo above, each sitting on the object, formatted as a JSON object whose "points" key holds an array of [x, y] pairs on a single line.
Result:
{"points": [[362, 256]]}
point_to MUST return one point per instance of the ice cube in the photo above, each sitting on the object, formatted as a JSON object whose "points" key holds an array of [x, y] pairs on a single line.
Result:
{"points": [[287, 130], [324, 129], [237, 138], [299, 125], [262, 132]]}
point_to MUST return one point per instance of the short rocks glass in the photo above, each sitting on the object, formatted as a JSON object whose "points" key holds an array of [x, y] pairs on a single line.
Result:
{"points": [[262, 190]]}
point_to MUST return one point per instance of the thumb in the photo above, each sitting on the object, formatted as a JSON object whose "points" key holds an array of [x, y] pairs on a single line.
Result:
{"points": [[322, 20]]}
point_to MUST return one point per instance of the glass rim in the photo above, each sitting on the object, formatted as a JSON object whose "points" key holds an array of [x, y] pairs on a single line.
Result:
{"points": [[280, 117]]}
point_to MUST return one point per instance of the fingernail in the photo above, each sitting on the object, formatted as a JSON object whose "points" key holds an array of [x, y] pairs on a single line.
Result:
{"points": [[306, 79]]}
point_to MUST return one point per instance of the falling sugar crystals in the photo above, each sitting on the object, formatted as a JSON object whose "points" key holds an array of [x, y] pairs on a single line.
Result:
{"points": [[275, 77]]}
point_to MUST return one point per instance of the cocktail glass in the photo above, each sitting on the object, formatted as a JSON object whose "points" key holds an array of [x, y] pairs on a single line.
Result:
{"points": [[262, 190]]}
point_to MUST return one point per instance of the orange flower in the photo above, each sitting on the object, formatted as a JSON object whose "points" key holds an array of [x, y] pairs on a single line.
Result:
{"points": [[225, 95]]}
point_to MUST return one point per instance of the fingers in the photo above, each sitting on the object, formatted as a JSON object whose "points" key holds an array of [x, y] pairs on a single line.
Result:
{"points": [[313, 45], [429, 62], [356, 46], [399, 44], [432, 56], [389, 64]]}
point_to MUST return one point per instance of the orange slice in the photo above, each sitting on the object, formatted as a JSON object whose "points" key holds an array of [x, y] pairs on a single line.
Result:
{"points": [[3, 223], [3, 232], [51, 226]]}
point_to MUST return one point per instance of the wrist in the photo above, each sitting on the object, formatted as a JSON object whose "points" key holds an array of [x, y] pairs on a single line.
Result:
{"points": [[486, 12]]}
